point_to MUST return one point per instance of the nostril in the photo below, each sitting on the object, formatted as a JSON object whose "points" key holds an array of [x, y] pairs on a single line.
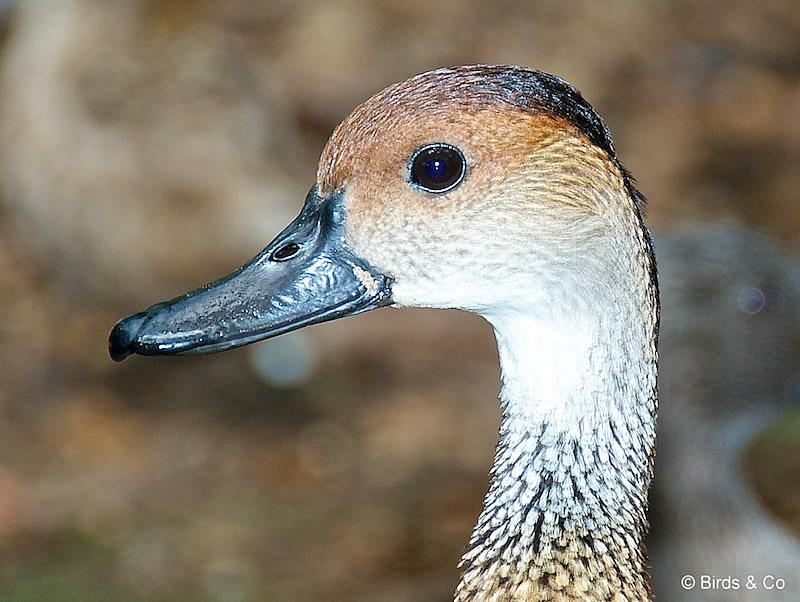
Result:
{"points": [[285, 252]]}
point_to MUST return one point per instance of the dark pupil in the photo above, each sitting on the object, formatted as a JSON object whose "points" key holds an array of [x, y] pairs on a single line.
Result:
{"points": [[437, 168]]}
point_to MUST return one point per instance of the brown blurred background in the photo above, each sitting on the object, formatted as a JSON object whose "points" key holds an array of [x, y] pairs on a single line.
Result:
{"points": [[148, 146]]}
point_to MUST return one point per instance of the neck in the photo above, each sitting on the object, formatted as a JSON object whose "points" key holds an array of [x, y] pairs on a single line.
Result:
{"points": [[564, 517]]}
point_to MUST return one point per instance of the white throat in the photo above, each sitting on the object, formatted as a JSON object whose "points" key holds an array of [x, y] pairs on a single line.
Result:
{"points": [[546, 366], [578, 379], [570, 478]]}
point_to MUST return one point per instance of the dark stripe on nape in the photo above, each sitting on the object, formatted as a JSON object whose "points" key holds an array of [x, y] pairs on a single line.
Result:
{"points": [[533, 89]]}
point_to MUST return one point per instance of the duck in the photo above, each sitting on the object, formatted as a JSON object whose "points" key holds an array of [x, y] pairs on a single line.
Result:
{"points": [[729, 348], [496, 190]]}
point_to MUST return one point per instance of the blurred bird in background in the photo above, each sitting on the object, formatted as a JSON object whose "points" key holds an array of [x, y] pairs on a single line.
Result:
{"points": [[729, 367]]}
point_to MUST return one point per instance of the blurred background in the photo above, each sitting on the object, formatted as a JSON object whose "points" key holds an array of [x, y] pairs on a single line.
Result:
{"points": [[149, 146]]}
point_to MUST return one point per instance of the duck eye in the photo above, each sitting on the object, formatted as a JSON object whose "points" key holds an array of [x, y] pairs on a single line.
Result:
{"points": [[437, 167], [285, 252]]}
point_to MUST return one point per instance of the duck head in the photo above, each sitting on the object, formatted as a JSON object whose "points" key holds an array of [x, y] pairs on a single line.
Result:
{"points": [[458, 188], [494, 190]]}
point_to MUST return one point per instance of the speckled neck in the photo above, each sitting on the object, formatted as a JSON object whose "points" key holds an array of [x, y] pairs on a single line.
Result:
{"points": [[564, 517]]}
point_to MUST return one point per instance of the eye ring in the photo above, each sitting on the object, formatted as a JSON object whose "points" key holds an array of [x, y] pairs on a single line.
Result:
{"points": [[437, 167]]}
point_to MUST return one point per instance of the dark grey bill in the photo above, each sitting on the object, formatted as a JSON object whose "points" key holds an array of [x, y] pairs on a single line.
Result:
{"points": [[305, 276]]}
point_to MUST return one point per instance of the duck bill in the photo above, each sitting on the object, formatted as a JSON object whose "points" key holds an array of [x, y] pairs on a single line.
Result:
{"points": [[305, 276]]}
